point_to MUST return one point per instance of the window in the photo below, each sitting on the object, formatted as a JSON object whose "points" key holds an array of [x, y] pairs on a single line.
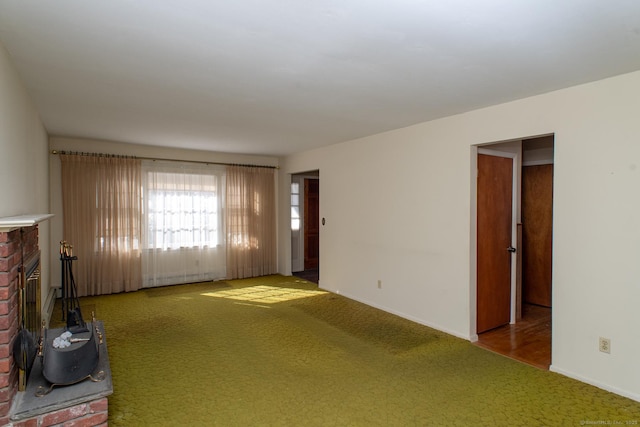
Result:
{"points": [[183, 211], [295, 206]]}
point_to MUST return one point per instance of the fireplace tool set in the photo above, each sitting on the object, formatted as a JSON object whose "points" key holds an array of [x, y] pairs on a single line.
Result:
{"points": [[70, 301], [72, 356]]}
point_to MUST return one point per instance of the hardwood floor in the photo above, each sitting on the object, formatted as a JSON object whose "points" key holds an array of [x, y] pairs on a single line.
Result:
{"points": [[528, 341], [309, 274]]}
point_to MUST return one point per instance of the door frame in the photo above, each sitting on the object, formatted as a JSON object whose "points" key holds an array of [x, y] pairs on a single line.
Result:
{"points": [[515, 219], [297, 251], [297, 236]]}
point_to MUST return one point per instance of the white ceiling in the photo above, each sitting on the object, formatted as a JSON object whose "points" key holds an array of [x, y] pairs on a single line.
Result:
{"points": [[276, 77]]}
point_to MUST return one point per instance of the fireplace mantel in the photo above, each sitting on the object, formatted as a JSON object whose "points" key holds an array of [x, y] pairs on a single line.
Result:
{"points": [[10, 223]]}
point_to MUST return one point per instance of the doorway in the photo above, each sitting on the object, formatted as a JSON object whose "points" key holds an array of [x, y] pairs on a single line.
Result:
{"points": [[305, 225], [513, 263]]}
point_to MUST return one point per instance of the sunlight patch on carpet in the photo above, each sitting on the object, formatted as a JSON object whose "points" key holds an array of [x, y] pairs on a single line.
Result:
{"points": [[264, 294], [173, 290]]}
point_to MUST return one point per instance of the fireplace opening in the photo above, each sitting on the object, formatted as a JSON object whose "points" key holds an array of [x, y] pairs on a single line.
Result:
{"points": [[29, 317]]}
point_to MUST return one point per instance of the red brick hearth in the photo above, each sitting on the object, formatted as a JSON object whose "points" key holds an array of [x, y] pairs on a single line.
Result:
{"points": [[15, 246]]}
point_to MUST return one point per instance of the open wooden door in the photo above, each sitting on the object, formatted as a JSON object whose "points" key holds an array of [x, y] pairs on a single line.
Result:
{"points": [[537, 221], [311, 223], [494, 237]]}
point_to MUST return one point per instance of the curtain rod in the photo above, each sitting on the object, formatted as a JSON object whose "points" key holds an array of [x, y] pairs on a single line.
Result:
{"points": [[78, 153]]}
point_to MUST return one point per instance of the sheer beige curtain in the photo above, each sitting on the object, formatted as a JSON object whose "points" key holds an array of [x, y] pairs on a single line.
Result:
{"points": [[102, 209], [183, 236], [250, 221]]}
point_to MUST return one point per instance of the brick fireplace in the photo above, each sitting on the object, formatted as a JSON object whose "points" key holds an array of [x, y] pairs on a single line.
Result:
{"points": [[15, 245], [19, 242]]}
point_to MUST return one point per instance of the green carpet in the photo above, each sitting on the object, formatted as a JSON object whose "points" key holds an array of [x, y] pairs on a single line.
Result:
{"points": [[276, 351]]}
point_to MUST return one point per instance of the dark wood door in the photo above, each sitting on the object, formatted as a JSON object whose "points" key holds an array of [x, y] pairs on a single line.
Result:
{"points": [[311, 223], [537, 231], [495, 188]]}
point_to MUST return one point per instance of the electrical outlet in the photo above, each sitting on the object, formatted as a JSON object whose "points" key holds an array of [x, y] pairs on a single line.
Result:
{"points": [[379, 284], [604, 345]]}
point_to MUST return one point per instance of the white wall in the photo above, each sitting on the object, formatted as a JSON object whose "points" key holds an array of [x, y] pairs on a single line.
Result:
{"points": [[397, 208], [24, 168], [111, 147]]}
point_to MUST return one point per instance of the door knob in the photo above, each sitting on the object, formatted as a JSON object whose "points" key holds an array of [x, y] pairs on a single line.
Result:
{"points": [[511, 249]]}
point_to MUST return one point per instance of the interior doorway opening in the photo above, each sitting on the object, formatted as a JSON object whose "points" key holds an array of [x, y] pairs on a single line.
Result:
{"points": [[526, 336], [305, 225]]}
